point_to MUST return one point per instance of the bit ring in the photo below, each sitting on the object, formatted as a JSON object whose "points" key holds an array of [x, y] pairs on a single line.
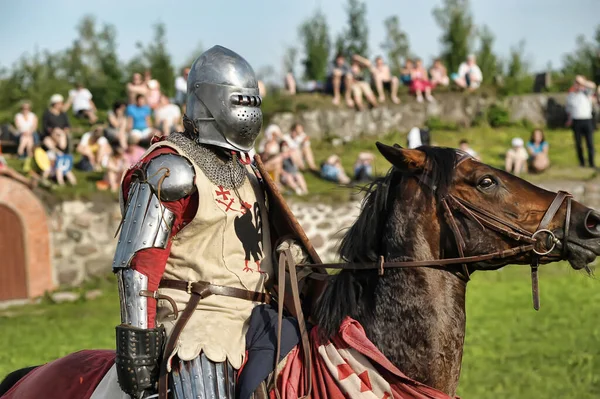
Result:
{"points": [[553, 238]]}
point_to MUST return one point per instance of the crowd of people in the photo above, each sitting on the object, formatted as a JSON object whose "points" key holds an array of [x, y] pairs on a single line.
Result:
{"points": [[119, 141], [110, 146], [359, 80], [287, 156]]}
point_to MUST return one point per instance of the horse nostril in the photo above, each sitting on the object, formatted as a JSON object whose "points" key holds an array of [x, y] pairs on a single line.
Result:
{"points": [[592, 222]]}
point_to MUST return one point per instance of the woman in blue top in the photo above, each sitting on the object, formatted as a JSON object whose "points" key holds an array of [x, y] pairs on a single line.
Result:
{"points": [[538, 147]]}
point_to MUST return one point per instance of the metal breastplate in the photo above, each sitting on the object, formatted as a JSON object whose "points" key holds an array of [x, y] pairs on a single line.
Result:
{"points": [[230, 174]]}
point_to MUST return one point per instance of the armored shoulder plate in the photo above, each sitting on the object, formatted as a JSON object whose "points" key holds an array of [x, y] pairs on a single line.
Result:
{"points": [[171, 176]]}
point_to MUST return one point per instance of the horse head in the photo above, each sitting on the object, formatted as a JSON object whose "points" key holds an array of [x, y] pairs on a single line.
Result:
{"points": [[492, 211]]}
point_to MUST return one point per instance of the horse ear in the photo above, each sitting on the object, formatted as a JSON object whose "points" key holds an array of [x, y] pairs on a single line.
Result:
{"points": [[401, 157]]}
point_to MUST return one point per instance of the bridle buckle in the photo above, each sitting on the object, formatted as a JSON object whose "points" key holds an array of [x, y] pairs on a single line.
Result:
{"points": [[189, 287]]}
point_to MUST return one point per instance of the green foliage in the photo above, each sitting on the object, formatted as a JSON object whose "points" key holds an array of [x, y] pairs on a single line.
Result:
{"points": [[498, 116], [456, 21], [193, 55], [356, 36], [314, 35], [435, 123], [290, 58], [158, 60], [340, 45], [95, 62], [396, 44], [486, 59], [517, 79], [585, 59]]}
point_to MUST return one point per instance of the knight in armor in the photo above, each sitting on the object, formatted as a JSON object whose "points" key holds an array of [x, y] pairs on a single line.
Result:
{"points": [[194, 251]]}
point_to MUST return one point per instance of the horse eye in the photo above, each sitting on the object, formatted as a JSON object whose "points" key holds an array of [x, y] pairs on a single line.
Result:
{"points": [[487, 182]]}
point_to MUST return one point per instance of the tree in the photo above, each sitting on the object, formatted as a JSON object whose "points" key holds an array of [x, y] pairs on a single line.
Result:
{"points": [[518, 67], [314, 35], [340, 45], [356, 37], [193, 55], [157, 58], [289, 59], [518, 78], [486, 59], [396, 43], [585, 60], [456, 22]]}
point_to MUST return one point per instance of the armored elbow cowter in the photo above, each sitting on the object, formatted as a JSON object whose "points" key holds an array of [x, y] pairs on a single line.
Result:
{"points": [[147, 223]]}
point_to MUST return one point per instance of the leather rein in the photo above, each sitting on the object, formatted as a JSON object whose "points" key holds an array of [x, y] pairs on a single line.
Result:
{"points": [[531, 241]]}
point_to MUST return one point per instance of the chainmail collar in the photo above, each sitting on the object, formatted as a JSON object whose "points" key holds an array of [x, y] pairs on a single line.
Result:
{"points": [[230, 174]]}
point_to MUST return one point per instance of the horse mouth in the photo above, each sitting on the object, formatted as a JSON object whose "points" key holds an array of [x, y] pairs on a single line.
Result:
{"points": [[582, 252]]}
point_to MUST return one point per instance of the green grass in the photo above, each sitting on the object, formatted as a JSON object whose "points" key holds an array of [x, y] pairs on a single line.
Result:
{"points": [[511, 351], [491, 144]]}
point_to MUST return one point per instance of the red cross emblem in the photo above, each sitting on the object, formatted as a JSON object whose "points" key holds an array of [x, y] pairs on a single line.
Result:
{"points": [[221, 192]]}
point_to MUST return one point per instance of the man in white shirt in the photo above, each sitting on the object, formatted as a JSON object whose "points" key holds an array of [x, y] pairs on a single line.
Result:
{"points": [[181, 87], [83, 106], [469, 75], [167, 117], [579, 111]]}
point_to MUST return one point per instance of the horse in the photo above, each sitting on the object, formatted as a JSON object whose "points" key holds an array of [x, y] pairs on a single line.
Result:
{"points": [[434, 219]]}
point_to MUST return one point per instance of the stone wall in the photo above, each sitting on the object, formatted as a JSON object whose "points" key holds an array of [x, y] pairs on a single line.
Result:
{"points": [[83, 240], [461, 109], [83, 243]]}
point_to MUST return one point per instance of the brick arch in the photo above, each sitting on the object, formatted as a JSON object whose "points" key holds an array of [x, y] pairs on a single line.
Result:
{"points": [[36, 235]]}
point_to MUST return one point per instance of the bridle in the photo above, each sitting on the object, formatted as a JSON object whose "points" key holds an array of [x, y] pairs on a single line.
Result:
{"points": [[531, 241]]}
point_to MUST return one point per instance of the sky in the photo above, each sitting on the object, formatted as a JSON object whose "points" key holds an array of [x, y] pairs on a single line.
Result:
{"points": [[261, 30]]}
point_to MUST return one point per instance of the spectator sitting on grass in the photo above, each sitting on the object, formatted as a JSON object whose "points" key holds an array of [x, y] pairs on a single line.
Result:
{"points": [[538, 149], [262, 89], [55, 126], [420, 82], [469, 75], [269, 151], [299, 142], [115, 167], [516, 157], [464, 147], [382, 78], [290, 83], [116, 132], [167, 117], [83, 106], [290, 175], [339, 79], [332, 170], [439, 74], [138, 119], [406, 72], [95, 150], [133, 153], [26, 123], [62, 167], [136, 87], [363, 167], [153, 94], [360, 85]]}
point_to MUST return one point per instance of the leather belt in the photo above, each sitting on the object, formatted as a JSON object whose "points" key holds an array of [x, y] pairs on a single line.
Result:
{"points": [[198, 290], [205, 289]]}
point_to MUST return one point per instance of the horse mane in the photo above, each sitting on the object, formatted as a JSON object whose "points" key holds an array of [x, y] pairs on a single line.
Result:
{"points": [[364, 240]]}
